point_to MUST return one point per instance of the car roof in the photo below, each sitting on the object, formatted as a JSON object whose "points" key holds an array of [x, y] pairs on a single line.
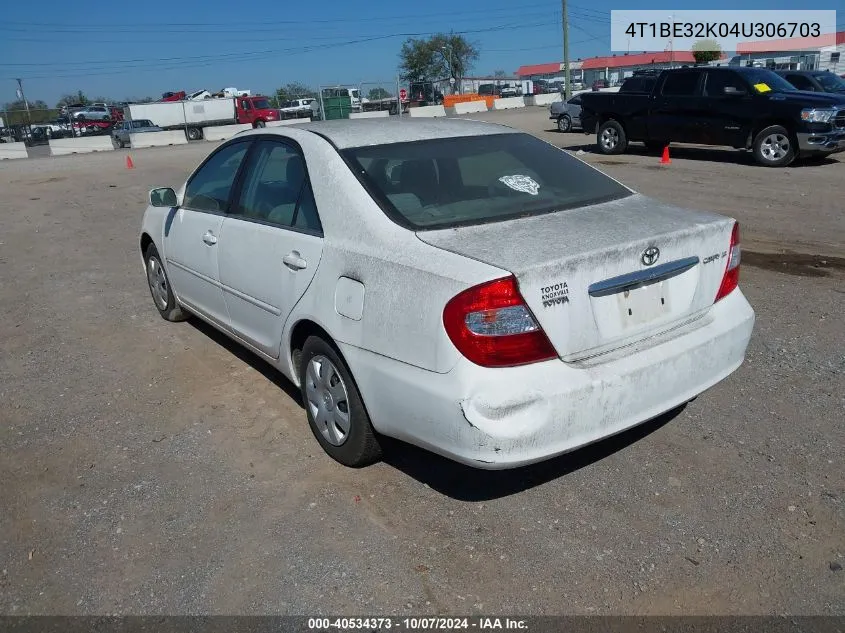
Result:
{"points": [[346, 133], [809, 73]]}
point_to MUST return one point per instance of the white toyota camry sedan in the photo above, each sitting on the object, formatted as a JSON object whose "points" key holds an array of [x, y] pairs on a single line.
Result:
{"points": [[456, 284]]}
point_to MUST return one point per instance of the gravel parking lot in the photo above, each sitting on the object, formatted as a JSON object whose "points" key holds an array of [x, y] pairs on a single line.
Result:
{"points": [[156, 468]]}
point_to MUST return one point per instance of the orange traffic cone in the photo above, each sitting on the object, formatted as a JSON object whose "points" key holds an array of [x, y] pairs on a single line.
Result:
{"points": [[665, 160], [129, 163]]}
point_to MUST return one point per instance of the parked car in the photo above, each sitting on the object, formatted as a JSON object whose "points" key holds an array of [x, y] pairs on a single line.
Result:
{"points": [[508, 91], [296, 108], [92, 113], [567, 114], [457, 284], [489, 90], [814, 80], [121, 132], [741, 107]]}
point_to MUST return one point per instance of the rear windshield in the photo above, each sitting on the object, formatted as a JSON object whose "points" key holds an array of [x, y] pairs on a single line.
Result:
{"points": [[639, 85], [449, 182]]}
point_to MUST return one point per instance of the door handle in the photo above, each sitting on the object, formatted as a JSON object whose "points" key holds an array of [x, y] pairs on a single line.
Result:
{"points": [[293, 261], [209, 238]]}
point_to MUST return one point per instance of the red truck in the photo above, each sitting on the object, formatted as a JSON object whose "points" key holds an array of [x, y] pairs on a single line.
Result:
{"points": [[193, 116]]}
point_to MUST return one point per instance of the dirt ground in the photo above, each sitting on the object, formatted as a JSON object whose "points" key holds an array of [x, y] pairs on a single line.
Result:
{"points": [[156, 468]]}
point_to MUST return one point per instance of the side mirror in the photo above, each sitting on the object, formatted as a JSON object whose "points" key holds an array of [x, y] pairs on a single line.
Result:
{"points": [[733, 91], [163, 197]]}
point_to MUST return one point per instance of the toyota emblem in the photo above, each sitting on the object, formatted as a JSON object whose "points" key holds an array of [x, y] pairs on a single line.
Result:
{"points": [[650, 255]]}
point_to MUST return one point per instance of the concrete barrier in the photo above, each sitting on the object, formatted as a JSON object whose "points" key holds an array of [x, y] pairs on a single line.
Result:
{"points": [[9, 151], [377, 114], [157, 139], [508, 103], [427, 111], [287, 122], [468, 107], [543, 100], [223, 132], [81, 145]]}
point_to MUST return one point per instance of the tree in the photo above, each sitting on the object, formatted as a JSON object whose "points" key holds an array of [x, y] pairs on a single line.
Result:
{"points": [[437, 57], [79, 97], [39, 112], [499, 74], [705, 51], [378, 93], [293, 90]]}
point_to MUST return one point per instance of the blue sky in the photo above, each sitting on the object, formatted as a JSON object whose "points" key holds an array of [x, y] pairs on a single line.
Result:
{"points": [[143, 49]]}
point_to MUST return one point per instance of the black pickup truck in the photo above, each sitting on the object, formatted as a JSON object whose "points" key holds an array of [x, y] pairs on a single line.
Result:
{"points": [[740, 107]]}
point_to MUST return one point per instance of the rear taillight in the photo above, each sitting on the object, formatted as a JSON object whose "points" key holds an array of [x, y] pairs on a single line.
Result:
{"points": [[731, 278], [491, 326]]}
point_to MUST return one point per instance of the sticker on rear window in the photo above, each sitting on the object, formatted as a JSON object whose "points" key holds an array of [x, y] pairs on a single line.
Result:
{"points": [[517, 182], [762, 87]]}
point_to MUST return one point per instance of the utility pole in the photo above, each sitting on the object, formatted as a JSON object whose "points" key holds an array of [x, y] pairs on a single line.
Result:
{"points": [[567, 86], [25, 102]]}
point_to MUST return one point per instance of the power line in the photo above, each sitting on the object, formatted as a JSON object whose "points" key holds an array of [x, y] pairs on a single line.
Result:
{"points": [[239, 57], [228, 26]]}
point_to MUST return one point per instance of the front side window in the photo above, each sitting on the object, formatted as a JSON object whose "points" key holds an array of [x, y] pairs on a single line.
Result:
{"points": [[801, 82], [210, 188], [245, 105], [681, 84], [449, 182], [276, 190], [720, 83]]}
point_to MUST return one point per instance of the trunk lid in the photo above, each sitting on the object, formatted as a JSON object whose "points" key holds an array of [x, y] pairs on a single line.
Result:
{"points": [[583, 272]]}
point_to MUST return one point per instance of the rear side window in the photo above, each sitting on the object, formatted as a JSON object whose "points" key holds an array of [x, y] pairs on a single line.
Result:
{"points": [[681, 84], [448, 182], [211, 186]]}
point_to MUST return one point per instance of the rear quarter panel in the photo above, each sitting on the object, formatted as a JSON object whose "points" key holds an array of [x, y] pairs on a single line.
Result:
{"points": [[406, 282]]}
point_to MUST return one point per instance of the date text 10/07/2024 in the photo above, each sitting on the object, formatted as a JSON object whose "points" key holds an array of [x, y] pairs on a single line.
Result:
{"points": [[723, 29], [417, 624]]}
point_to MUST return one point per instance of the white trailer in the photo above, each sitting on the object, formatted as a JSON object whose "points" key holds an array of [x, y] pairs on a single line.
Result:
{"points": [[191, 116]]}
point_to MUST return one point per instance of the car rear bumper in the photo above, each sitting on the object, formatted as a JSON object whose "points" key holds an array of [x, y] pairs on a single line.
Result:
{"points": [[827, 142], [504, 418]]}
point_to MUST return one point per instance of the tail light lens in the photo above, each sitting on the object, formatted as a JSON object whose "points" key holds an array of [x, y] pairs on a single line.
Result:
{"points": [[491, 326], [730, 280]]}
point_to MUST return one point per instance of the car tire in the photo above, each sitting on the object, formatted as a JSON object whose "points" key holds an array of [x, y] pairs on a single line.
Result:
{"points": [[119, 143], [564, 123], [327, 388], [611, 138], [774, 146], [194, 134], [260, 124], [159, 284]]}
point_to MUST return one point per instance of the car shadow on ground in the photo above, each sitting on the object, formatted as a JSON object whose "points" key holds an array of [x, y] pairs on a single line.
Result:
{"points": [[447, 477], [465, 483], [710, 154], [261, 366]]}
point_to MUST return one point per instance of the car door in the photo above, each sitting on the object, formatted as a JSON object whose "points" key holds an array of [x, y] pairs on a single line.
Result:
{"points": [[271, 243], [192, 233], [679, 113], [573, 108], [248, 112], [730, 108]]}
